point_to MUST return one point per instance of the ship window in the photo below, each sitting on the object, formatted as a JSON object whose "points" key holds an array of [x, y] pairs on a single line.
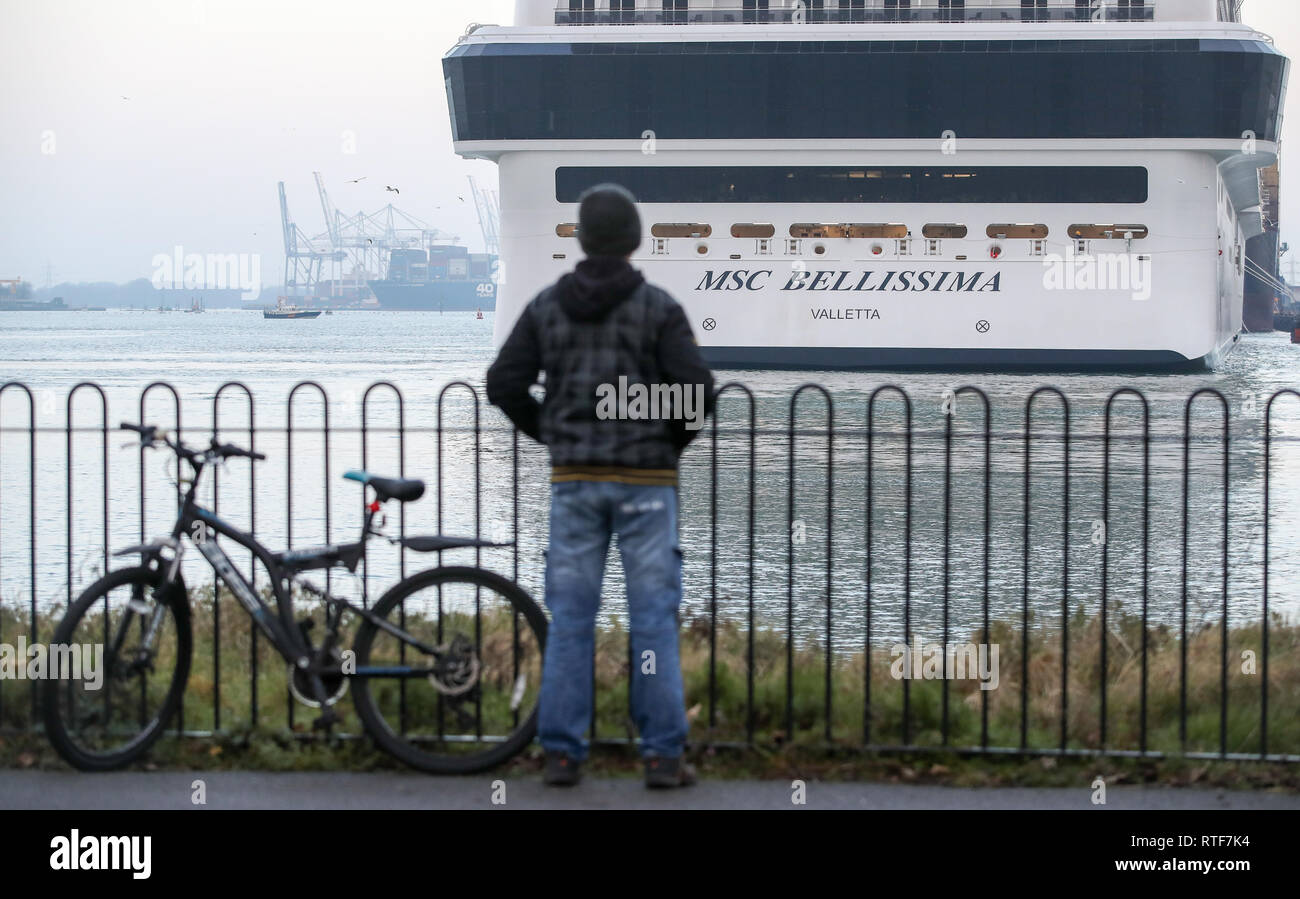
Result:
{"points": [[933, 246], [1108, 232], [811, 229], [752, 229], [897, 10], [858, 185], [681, 229], [660, 247], [675, 12], [952, 10], [1010, 231], [754, 11], [903, 247], [623, 12], [876, 230], [764, 247], [953, 231], [853, 10], [1131, 10], [1038, 248], [582, 11], [1082, 10], [1082, 247], [793, 247], [569, 229], [1033, 11], [857, 230]]}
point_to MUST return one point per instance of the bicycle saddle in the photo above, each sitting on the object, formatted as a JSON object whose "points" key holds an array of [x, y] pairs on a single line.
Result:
{"points": [[404, 490]]}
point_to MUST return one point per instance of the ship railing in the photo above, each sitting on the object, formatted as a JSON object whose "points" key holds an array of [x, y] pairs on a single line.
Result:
{"points": [[748, 16]]}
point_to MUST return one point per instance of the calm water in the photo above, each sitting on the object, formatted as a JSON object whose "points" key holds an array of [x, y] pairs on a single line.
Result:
{"points": [[420, 353]]}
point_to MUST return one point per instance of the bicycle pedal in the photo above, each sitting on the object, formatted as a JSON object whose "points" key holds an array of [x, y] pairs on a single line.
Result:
{"points": [[325, 721]]}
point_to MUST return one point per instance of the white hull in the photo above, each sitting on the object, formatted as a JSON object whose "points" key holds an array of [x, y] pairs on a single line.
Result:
{"points": [[780, 305]]}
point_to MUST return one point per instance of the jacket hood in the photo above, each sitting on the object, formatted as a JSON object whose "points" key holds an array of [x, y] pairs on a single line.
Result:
{"points": [[596, 286]]}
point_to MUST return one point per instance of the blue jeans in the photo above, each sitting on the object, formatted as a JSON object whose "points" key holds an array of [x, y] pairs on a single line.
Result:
{"points": [[584, 514]]}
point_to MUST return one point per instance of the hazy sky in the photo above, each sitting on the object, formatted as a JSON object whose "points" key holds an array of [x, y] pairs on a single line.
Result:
{"points": [[227, 97]]}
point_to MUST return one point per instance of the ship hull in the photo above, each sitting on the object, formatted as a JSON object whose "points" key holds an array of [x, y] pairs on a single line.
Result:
{"points": [[1170, 299], [444, 296], [861, 196], [267, 313], [1260, 297], [958, 359]]}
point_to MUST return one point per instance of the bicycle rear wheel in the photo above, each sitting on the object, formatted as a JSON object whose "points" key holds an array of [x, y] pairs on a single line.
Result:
{"points": [[480, 707], [105, 714]]}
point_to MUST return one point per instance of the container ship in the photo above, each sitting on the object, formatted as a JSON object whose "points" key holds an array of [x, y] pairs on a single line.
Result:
{"points": [[440, 277], [1057, 184]]}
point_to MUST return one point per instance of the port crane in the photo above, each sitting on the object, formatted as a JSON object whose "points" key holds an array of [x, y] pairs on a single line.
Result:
{"points": [[488, 206], [361, 242], [304, 261]]}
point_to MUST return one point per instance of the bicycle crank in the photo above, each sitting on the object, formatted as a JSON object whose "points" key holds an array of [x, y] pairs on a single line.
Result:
{"points": [[457, 668], [335, 684]]}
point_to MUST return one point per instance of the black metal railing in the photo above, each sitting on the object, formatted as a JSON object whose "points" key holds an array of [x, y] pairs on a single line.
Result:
{"points": [[1124, 563]]}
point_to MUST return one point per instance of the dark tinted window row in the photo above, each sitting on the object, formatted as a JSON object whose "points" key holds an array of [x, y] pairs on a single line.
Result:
{"points": [[752, 90], [840, 184], [820, 48]]}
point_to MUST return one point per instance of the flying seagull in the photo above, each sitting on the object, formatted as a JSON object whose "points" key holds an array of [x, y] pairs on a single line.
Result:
{"points": [[393, 189], [357, 180]]}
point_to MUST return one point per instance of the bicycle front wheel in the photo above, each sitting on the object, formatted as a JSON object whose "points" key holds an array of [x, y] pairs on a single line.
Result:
{"points": [[133, 642], [471, 705]]}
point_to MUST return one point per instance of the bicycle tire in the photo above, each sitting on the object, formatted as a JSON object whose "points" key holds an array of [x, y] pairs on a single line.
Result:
{"points": [[56, 728], [363, 697]]}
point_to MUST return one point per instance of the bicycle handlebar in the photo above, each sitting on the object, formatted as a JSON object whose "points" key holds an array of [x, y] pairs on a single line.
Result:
{"points": [[228, 450], [151, 434]]}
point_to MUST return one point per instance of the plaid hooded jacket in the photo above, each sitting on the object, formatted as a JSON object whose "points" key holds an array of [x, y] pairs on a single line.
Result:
{"points": [[593, 327]]}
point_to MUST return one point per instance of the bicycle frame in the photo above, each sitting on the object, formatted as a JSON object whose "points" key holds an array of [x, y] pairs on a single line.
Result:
{"points": [[199, 525]]}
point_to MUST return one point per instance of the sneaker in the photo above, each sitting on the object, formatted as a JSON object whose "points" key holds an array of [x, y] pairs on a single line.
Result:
{"points": [[561, 770], [668, 772]]}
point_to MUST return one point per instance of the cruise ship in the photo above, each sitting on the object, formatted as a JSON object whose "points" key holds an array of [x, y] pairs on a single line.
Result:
{"points": [[1053, 184]]}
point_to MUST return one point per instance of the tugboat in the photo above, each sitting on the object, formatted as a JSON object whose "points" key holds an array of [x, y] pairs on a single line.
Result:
{"points": [[285, 309]]}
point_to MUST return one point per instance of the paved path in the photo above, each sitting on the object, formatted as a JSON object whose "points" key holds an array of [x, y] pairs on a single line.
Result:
{"points": [[349, 790]]}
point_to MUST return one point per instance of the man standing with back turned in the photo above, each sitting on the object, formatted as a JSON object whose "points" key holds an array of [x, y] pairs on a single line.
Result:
{"points": [[613, 471]]}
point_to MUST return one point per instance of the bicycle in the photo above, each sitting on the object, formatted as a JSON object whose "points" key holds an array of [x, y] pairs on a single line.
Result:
{"points": [[438, 711]]}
